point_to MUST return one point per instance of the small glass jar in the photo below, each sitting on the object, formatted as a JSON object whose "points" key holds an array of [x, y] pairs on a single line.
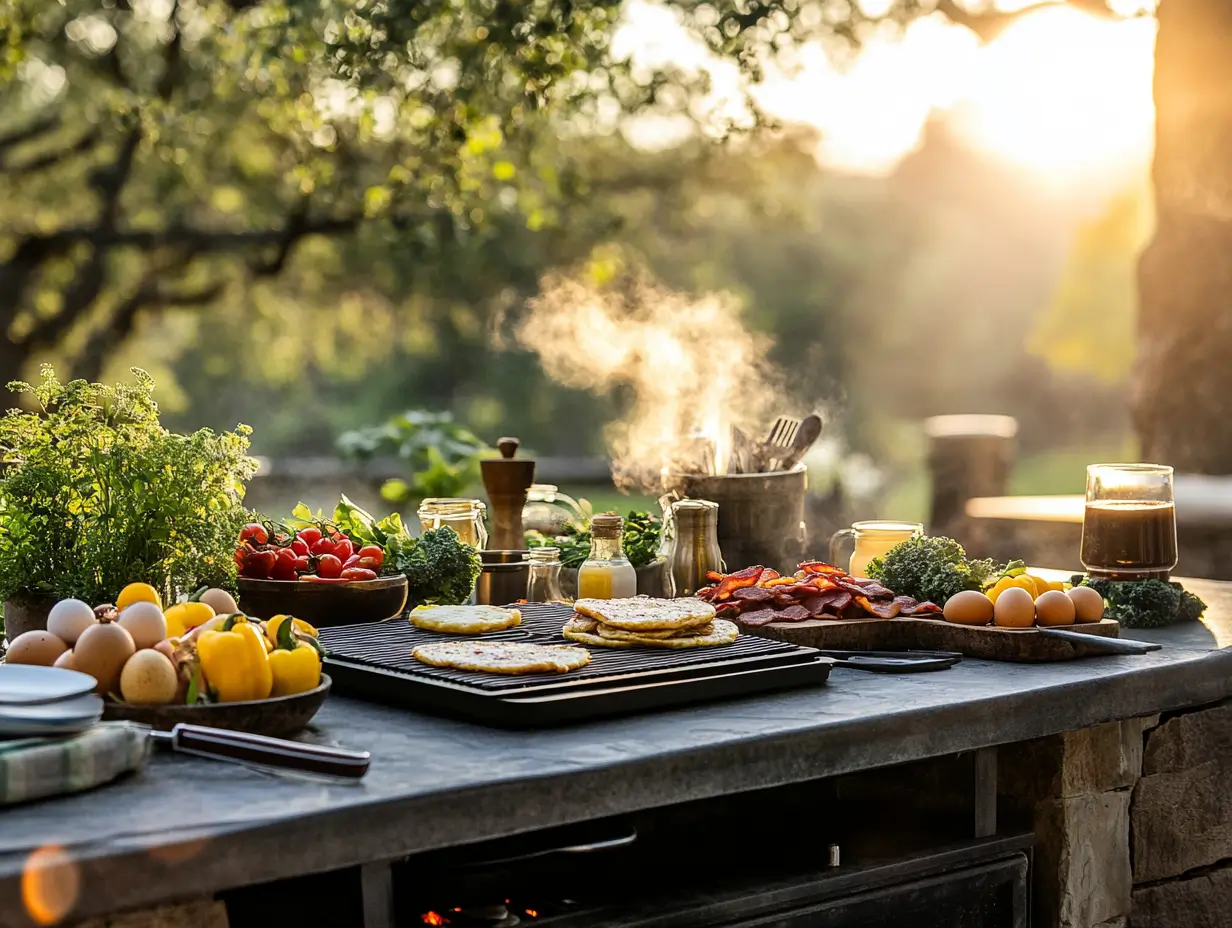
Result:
{"points": [[544, 583], [606, 573], [464, 516]]}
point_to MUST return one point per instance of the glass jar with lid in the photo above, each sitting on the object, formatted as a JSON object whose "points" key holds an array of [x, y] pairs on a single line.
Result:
{"points": [[544, 583], [464, 516], [606, 573]]}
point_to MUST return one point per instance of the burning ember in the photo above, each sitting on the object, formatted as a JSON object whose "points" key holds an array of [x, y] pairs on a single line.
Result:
{"points": [[691, 370]]}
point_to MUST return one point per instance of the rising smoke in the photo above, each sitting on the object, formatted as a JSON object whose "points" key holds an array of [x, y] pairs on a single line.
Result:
{"points": [[690, 366]]}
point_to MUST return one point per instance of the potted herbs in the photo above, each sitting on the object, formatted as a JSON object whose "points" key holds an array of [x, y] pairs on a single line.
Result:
{"points": [[95, 494]]}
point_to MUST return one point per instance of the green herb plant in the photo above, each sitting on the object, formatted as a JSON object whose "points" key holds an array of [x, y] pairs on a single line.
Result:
{"points": [[640, 540], [442, 457], [96, 494]]}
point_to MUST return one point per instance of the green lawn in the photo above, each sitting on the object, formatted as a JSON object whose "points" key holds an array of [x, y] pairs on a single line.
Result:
{"points": [[1049, 473]]}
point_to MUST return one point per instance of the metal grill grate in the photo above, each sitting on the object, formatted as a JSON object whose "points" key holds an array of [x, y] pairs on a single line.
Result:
{"points": [[387, 645]]}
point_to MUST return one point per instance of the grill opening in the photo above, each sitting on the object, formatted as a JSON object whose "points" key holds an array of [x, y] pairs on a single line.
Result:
{"points": [[387, 645]]}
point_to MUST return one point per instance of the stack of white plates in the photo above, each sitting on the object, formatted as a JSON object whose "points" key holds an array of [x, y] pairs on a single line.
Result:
{"points": [[38, 701]]}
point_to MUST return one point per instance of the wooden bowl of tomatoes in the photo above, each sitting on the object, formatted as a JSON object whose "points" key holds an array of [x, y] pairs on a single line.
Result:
{"points": [[321, 578], [325, 604]]}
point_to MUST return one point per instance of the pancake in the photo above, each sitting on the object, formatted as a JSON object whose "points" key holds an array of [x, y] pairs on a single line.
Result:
{"points": [[464, 620], [583, 629], [508, 657], [620, 634], [642, 613]]}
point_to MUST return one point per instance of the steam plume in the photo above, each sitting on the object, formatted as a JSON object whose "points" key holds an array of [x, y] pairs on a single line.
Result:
{"points": [[691, 368]]}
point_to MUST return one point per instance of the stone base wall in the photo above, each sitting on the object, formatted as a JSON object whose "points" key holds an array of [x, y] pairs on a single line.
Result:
{"points": [[1132, 820]]}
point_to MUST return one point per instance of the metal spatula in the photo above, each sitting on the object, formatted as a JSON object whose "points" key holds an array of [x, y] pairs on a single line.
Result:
{"points": [[806, 434]]}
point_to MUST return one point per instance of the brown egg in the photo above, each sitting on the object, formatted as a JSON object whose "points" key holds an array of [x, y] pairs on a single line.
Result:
{"points": [[148, 679], [1088, 604], [102, 651], [968, 608], [145, 622], [1014, 609], [36, 647], [1054, 608], [65, 661]]}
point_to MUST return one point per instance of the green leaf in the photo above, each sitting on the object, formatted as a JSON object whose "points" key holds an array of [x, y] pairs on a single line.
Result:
{"points": [[194, 686]]}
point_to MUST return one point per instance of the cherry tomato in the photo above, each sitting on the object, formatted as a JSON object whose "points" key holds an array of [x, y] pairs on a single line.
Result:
{"points": [[302, 564], [259, 564], [254, 532], [369, 563], [358, 573], [241, 555], [310, 535], [299, 546], [351, 561], [284, 568], [328, 566], [343, 549], [323, 546], [373, 551], [286, 554]]}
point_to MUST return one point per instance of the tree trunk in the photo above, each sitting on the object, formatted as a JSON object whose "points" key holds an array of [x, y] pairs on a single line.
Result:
{"points": [[14, 358], [1182, 398]]}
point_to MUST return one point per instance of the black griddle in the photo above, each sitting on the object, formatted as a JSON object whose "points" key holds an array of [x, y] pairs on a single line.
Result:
{"points": [[373, 660]]}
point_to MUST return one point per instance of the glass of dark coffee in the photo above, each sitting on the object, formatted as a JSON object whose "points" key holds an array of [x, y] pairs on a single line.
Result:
{"points": [[1129, 525]]}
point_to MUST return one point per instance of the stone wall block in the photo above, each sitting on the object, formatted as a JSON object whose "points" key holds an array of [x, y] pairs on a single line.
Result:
{"points": [[1182, 806], [1074, 763], [1083, 877], [1200, 901]]}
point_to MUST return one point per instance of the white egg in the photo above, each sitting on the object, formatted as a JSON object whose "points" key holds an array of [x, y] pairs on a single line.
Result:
{"points": [[69, 618], [145, 622]]}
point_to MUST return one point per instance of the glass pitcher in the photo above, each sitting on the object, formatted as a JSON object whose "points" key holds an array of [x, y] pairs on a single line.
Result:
{"points": [[548, 510], [1129, 524], [872, 539]]}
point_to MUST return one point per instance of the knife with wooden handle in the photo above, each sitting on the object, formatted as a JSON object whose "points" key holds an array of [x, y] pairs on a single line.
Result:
{"points": [[243, 747], [1100, 642]]}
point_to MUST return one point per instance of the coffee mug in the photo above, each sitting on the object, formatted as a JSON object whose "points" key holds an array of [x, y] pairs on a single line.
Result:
{"points": [[872, 539]]}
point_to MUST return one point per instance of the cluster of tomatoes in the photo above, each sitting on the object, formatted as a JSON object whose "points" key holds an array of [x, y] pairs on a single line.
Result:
{"points": [[319, 556]]}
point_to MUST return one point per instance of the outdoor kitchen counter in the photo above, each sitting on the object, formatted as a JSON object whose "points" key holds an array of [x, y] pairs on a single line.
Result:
{"points": [[186, 828]]}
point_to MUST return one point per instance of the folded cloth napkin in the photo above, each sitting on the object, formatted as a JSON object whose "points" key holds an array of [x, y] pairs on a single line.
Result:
{"points": [[33, 768]]}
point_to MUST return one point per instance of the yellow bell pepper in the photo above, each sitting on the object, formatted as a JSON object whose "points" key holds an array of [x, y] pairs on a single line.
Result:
{"points": [[272, 626], [185, 616], [235, 662], [1000, 587], [296, 665]]}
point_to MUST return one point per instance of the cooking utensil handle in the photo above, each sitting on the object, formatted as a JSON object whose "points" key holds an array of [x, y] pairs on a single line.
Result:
{"points": [[604, 844], [275, 752], [1101, 643], [836, 543]]}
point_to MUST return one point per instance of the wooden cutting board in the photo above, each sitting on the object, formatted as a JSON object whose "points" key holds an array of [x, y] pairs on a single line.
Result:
{"points": [[986, 642]]}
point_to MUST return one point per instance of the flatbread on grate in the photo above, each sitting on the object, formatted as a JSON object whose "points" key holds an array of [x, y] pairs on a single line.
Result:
{"points": [[642, 613], [621, 634], [464, 620], [580, 629], [511, 657]]}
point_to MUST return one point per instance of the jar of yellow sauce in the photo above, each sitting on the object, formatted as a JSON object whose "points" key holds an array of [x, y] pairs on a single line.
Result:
{"points": [[606, 573]]}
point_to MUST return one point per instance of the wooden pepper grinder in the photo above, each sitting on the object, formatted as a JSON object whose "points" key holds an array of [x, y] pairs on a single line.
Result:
{"points": [[507, 481]]}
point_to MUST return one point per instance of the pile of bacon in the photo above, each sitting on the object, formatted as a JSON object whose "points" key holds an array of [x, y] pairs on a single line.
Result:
{"points": [[759, 596]]}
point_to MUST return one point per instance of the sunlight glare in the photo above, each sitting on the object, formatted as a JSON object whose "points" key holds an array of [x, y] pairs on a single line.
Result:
{"points": [[1064, 95]]}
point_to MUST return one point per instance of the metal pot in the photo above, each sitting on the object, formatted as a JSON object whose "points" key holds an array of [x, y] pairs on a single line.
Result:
{"points": [[504, 577], [761, 516], [27, 612]]}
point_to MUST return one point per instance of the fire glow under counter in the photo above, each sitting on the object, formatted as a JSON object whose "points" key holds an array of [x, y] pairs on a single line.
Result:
{"points": [[187, 828]]}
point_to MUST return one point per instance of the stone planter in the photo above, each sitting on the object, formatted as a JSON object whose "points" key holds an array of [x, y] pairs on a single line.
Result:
{"points": [[26, 612], [649, 580]]}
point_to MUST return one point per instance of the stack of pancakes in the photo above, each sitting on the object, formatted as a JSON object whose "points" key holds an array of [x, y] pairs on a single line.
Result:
{"points": [[652, 623]]}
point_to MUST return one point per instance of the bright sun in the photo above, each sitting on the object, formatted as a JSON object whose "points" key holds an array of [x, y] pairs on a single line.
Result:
{"points": [[1064, 94], [1059, 93]]}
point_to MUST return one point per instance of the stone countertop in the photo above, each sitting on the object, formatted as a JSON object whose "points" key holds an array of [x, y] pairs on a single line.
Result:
{"points": [[185, 827]]}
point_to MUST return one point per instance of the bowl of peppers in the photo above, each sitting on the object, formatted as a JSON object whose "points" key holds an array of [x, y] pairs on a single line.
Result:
{"points": [[242, 674]]}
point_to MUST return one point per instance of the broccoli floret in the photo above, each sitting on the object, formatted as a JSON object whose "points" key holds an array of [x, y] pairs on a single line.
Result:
{"points": [[1191, 607], [439, 567], [1140, 603], [930, 568]]}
